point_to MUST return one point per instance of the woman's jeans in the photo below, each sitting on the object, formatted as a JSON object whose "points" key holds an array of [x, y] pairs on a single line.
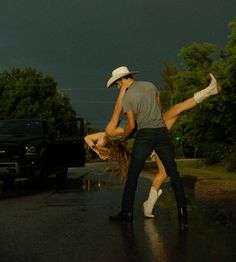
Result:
{"points": [[149, 139]]}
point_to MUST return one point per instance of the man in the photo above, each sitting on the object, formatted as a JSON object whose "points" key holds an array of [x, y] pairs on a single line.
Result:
{"points": [[141, 105]]}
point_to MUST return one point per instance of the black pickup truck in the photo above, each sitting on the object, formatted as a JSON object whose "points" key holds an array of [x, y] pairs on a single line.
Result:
{"points": [[30, 147]]}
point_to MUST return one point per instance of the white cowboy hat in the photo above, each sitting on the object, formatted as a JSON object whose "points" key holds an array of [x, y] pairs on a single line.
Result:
{"points": [[119, 73]]}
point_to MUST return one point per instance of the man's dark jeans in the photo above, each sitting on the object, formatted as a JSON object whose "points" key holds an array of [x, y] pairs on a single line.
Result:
{"points": [[149, 139]]}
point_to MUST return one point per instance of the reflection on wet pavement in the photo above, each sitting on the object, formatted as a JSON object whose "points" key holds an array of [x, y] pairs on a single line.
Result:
{"points": [[79, 212]]}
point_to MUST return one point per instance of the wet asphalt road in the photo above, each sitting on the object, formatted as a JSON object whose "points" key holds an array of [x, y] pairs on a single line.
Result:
{"points": [[71, 224]]}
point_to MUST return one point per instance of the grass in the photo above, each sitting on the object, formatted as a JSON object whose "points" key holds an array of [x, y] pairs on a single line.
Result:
{"points": [[213, 188], [199, 169]]}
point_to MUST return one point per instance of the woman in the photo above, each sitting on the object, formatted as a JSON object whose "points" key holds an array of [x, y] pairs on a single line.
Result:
{"points": [[107, 145], [102, 144]]}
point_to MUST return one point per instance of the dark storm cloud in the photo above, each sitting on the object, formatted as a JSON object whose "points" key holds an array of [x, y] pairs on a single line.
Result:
{"points": [[79, 42]]}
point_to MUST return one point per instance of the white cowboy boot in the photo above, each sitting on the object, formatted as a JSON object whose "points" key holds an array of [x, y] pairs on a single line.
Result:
{"points": [[150, 202], [153, 156], [210, 90]]}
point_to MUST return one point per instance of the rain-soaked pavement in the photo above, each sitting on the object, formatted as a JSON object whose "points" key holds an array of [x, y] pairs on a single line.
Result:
{"points": [[71, 224]]}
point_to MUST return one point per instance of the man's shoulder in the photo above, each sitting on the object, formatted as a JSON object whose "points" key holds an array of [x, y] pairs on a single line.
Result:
{"points": [[144, 83], [139, 88]]}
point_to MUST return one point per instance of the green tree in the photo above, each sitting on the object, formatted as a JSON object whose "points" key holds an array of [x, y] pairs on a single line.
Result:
{"points": [[226, 70], [198, 56], [194, 125], [27, 93], [166, 89], [209, 129]]}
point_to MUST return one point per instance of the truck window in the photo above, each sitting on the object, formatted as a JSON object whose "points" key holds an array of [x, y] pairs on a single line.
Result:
{"points": [[70, 129], [21, 127]]}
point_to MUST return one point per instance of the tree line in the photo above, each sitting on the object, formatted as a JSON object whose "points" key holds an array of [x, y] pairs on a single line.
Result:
{"points": [[207, 131], [27, 93]]}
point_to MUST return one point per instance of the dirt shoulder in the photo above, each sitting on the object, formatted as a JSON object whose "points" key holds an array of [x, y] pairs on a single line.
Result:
{"points": [[212, 187]]}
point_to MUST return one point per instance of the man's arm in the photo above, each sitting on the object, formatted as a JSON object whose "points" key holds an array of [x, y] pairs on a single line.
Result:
{"points": [[159, 101], [111, 128], [130, 125]]}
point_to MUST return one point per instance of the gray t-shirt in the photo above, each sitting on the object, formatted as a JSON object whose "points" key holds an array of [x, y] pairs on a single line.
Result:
{"points": [[141, 98]]}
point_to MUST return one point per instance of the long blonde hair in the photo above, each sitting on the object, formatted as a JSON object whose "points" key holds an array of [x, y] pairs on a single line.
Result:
{"points": [[115, 150]]}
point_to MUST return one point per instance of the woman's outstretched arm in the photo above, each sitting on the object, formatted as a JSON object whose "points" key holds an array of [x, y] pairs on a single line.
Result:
{"points": [[112, 128]]}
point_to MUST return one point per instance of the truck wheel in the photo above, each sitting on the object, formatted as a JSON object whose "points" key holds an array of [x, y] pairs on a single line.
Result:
{"points": [[62, 177], [44, 172], [8, 183]]}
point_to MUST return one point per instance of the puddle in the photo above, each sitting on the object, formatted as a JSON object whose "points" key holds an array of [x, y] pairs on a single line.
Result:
{"points": [[91, 182]]}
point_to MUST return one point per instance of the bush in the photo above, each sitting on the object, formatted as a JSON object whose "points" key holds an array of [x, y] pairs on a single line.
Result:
{"points": [[232, 162], [212, 152]]}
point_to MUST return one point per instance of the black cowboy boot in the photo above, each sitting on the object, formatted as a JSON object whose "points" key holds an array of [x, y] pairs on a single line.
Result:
{"points": [[183, 218], [122, 217]]}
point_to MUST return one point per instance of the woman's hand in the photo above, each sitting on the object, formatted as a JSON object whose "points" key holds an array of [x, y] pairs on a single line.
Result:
{"points": [[103, 152]]}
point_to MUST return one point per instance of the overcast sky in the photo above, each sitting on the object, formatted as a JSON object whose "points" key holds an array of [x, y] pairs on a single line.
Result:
{"points": [[79, 42]]}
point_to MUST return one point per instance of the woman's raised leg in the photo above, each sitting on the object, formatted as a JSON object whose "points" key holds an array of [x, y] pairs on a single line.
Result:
{"points": [[170, 117], [173, 113]]}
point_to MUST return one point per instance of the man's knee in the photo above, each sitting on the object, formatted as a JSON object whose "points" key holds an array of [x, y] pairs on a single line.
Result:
{"points": [[170, 167]]}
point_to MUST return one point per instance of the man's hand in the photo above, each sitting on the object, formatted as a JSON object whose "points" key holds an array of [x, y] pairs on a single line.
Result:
{"points": [[130, 126]]}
